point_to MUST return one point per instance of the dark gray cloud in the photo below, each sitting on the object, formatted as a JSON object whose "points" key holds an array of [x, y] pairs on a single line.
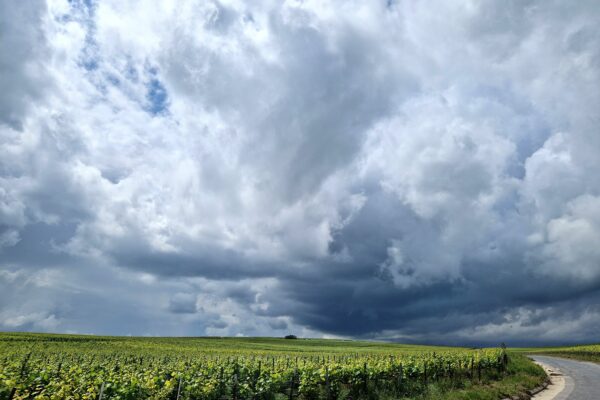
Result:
{"points": [[183, 303], [415, 172], [23, 48]]}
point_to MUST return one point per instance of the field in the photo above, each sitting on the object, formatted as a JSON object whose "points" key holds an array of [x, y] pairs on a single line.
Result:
{"points": [[590, 352], [40, 366]]}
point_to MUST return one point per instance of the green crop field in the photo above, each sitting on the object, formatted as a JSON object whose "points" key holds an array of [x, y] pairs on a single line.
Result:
{"points": [[41, 366], [589, 352]]}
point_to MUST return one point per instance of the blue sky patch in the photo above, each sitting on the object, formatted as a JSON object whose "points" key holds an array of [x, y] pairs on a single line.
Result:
{"points": [[157, 97]]}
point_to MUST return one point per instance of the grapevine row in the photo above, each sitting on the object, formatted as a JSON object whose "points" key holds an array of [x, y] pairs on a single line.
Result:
{"points": [[52, 374]]}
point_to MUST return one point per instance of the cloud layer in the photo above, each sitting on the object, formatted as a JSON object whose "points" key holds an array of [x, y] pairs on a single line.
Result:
{"points": [[398, 170]]}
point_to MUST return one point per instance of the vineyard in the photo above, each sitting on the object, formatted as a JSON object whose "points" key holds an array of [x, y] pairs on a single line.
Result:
{"points": [[34, 366], [590, 352]]}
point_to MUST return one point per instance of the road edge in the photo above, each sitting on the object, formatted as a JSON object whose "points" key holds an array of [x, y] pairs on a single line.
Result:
{"points": [[528, 394]]}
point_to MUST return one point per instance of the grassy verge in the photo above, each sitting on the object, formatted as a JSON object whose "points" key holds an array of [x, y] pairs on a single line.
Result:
{"points": [[522, 375]]}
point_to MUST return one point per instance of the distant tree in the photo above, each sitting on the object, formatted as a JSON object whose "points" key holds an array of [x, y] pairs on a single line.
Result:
{"points": [[291, 337]]}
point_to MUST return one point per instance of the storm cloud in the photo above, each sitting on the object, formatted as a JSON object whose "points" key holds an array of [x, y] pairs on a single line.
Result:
{"points": [[414, 171]]}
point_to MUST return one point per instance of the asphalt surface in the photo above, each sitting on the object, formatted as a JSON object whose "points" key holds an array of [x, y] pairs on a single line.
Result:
{"points": [[582, 379]]}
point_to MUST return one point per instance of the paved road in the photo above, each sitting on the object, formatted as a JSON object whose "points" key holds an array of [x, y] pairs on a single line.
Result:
{"points": [[582, 379]]}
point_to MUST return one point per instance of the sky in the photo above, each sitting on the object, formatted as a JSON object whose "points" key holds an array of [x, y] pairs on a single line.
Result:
{"points": [[417, 171]]}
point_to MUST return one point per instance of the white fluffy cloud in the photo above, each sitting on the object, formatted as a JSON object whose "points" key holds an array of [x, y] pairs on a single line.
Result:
{"points": [[399, 156]]}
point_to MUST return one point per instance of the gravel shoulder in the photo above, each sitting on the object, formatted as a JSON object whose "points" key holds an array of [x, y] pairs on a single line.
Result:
{"points": [[557, 383]]}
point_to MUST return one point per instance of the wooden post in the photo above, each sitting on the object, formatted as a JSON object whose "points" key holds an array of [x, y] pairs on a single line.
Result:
{"points": [[472, 368], [221, 381], [400, 376], [24, 365], [327, 388], [479, 371], [255, 380], [179, 389], [292, 385], [101, 391], [504, 356], [221, 384], [13, 391], [234, 387], [365, 377]]}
